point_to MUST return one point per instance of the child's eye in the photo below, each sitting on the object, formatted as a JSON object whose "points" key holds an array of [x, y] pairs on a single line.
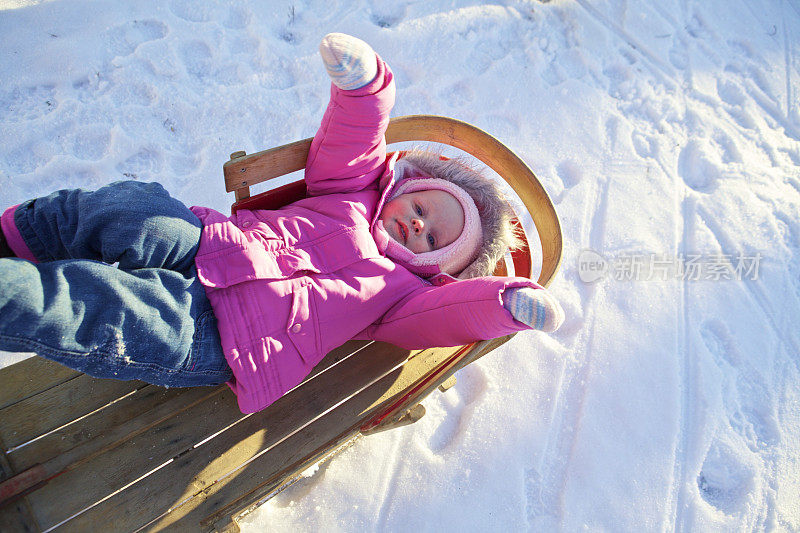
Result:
{"points": [[431, 241], [418, 209]]}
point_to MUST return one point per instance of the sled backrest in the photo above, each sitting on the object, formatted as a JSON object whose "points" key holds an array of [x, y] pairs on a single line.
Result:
{"points": [[243, 171]]}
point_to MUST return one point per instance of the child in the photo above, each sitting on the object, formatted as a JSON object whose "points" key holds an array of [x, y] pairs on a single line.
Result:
{"points": [[257, 299]]}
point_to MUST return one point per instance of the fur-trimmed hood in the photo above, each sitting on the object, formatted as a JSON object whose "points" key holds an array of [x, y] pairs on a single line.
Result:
{"points": [[494, 210]]}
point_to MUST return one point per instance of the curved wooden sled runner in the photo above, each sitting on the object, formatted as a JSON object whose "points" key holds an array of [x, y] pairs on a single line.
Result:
{"points": [[81, 453]]}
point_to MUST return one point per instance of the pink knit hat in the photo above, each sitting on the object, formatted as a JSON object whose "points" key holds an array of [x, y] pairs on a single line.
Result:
{"points": [[454, 257]]}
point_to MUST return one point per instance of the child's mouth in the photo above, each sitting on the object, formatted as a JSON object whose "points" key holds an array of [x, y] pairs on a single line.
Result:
{"points": [[403, 231]]}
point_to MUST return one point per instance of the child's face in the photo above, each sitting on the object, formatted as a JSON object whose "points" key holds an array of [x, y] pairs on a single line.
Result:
{"points": [[423, 220]]}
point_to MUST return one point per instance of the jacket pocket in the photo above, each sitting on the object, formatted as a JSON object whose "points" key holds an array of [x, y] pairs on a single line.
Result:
{"points": [[302, 327]]}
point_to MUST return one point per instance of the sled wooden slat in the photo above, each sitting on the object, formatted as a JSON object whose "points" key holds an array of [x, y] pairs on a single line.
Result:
{"points": [[17, 517], [107, 428], [338, 427], [336, 355], [57, 406], [194, 474], [196, 468], [242, 172], [134, 458], [75, 443], [30, 377], [121, 456]]}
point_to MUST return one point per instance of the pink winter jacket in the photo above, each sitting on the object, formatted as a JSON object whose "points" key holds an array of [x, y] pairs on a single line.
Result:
{"points": [[287, 286]]}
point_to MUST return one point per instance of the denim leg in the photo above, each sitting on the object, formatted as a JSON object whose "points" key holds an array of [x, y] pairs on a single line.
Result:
{"points": [[150, 324], [135, 224]]}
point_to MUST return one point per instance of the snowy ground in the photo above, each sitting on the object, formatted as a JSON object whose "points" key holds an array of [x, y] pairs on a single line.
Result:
{"points": [[668, 134]]}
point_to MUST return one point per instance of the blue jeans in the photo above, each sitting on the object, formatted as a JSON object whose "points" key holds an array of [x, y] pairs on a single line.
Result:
{"points": [[147, 318]]}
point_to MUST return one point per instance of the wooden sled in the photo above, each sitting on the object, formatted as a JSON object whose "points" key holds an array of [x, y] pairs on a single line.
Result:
{"points": [[84, 454]]}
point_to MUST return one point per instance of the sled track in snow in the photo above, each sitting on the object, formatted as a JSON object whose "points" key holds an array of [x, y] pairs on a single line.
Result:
{"points": [[687, 377], [659, 68], [546, 483], [754, 288], [788, 59]]}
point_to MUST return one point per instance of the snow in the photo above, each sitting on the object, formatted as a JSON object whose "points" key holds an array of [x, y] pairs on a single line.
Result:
{"points": [[662, 128]]}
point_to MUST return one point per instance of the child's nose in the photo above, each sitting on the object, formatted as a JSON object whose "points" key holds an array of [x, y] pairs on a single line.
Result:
{"points": [[417, 224]]}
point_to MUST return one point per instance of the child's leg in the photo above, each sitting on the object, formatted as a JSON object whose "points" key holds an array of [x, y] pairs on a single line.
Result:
{"points": [[133, 223], [150, 324]]}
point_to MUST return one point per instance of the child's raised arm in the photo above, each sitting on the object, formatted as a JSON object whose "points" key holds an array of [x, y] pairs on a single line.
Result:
{"points": [[467, 311], [349, 150]]}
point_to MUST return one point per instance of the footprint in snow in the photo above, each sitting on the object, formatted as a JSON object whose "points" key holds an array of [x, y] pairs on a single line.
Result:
{"points": [[644, 145], [792, 154], [387, 16], [736, 98], [90, 143], [197, 59], [477, 62], [133, 93], [743, 117], [729, 150], [458, 95], [726, 481], [621, 81], [541, 496], [565, 64], [190, 11], [126, 38], [570, 173], [29, 157], [730, 92], [751, 411], [469, 388], [678, 55], [144, 164], [573, 63], [289, 36], [91, 87], [21, 104], [238, 18], [243, 45], [615, 133], [183, 164], [699, 166]]}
